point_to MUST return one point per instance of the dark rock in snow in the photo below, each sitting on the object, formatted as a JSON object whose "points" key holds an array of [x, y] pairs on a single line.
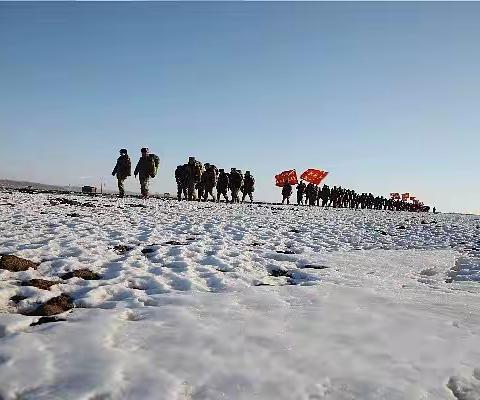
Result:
{"points": [[46, 320], [56, 305], [17, 298], [285, 252], [148, 250], [73, 215], [175, 243], [15, 264], [312, 266], [82, 273], [122, 249], [278, 272], [402, 227]]}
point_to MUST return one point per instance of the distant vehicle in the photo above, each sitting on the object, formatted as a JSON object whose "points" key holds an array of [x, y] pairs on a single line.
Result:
{"points": [[89, 189]]}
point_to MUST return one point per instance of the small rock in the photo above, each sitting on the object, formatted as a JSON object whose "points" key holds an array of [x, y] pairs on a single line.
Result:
{"points": [[402, 227], [73, 215], [383, 233], [423, 222], [17, 298], [285, 252], [276, 272], [312, 266], [15, 264], [122, 249], [82, 273], [46, 320], [175, 243], [40, 283], [148, 250], [56, 305]]}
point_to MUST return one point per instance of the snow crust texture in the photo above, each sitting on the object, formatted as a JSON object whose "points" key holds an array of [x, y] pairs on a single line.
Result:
{"points": [[207, 301]]}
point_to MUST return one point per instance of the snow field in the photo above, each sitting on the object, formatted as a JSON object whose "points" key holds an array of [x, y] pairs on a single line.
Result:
{"points": [[240, 302]]}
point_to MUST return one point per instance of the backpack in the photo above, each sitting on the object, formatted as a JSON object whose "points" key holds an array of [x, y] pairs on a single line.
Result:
{"points": [[156, 163], [198, 169]]}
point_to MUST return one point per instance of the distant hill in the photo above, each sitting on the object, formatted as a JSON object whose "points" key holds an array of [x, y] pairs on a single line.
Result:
{"points": [[7, 183]]}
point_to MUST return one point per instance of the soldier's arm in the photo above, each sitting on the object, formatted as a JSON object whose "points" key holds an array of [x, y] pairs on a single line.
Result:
{"points": [[136, 168], [115, 169]]}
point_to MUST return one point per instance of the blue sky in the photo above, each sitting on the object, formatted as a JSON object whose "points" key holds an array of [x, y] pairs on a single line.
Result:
{"points": [[385, 96]]}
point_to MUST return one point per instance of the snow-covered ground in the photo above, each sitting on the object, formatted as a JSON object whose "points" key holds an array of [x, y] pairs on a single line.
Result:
{"points": [[240, 302]]}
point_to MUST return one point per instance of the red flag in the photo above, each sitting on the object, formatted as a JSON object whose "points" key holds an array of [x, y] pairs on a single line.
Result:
{"points": [[405, 196], [395, 196], [314, 176], [286, 176]]}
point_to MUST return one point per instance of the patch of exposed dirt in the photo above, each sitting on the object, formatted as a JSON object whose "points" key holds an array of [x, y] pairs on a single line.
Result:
{"points": [[41, 283], [55, 305], [15, 264], [83, 273]]}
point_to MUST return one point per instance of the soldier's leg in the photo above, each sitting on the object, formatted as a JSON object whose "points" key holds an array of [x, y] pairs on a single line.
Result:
{"points": [[190, 190], [179, 191], [121, 189], [142, 186], [250, 194], [146, 182]]}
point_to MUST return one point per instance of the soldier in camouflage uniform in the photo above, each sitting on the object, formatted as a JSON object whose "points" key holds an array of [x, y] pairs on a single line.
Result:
{"points": [[209, 181], [236, 181], [248, 186], [180, 174], [286, 192], [300, 190], [123, 169], [193, 173], [145, 169], [222, 185]]}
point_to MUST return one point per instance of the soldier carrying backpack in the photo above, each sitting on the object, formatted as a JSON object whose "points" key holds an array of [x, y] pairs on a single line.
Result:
{"points": [[147, 167], [248, 186], [193, 174], [236, 180]]}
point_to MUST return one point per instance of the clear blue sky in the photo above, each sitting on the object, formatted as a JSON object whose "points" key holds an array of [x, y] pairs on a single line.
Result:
{"points": [[385, 96]]}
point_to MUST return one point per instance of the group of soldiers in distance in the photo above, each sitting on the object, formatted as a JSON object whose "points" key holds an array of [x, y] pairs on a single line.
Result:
{"points": [[197, 182], [339, 197]]}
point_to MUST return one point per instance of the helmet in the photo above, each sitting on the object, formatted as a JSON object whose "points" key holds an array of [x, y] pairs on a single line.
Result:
{"points": [[221, 170], [144, 149], [191, 159], [247, 172], [123, 151]]}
